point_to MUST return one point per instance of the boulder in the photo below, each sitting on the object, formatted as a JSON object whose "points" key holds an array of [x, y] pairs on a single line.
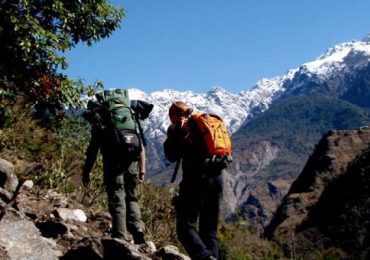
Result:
{"points": [[28, 184], [148, 248], [87, 248], [8, 179], [70, 214], [120, 249], [20, 239], [171, 252]]}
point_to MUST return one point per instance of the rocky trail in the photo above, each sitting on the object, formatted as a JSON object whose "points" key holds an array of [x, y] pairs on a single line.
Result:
{"points": [[37, 224]]}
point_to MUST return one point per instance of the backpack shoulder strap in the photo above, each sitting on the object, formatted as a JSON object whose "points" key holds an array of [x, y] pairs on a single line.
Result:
{"points": [[176, 170]]}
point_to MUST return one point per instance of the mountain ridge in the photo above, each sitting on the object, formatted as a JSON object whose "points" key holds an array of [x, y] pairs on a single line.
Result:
{"points": [[342, 58]]}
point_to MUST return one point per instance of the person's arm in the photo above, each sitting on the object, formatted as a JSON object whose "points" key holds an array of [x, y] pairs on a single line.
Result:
{"points": [[173, 145], [91, 155], [142, 164]]}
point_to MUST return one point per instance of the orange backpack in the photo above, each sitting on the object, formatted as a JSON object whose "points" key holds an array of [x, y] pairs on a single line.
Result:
{"points": [[214, 133], [215, 137]]}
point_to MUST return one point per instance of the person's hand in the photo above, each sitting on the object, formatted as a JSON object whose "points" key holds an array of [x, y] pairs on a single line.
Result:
{"points": [[182, 121], [141, 177], [86, 179], [177, 126]]}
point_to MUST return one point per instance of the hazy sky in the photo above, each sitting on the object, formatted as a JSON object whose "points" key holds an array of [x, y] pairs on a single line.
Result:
{"points": [[197, 44]]}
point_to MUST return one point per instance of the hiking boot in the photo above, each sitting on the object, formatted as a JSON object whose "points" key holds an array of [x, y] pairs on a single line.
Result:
{"points": [[139, 237]]}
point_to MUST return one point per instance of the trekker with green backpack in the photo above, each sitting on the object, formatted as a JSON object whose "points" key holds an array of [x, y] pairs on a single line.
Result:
{"points": [[116, 131]]}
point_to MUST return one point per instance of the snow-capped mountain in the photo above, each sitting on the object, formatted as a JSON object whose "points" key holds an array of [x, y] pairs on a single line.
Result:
{"points": [[343, 60], [235, 109]]}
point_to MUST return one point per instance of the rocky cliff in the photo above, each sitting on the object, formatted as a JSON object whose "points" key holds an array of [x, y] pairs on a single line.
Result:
{"points": [[327, 207]]}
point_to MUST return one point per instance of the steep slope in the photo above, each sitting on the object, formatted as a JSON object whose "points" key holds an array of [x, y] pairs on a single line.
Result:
{"points": [[328, 205]]}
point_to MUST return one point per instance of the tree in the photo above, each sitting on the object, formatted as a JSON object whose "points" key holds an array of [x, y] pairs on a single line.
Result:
{"points": [[34, 34]]}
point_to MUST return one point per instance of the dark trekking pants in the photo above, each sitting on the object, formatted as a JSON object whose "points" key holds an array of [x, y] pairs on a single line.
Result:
{"points": [[121, 182], [198, 201]]}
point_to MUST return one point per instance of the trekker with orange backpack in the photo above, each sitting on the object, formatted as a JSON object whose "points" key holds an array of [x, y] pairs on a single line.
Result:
{"points": [[201, 141]]}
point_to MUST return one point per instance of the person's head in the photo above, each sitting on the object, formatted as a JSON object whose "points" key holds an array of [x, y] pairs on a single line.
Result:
{"points": [[179, 110]]}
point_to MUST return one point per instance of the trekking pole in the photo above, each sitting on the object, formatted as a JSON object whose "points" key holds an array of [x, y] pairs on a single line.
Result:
{"points": [[178, 162], [13, 200], [141, 132]]}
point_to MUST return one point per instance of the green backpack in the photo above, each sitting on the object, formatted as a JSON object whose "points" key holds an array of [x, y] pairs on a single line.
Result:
{"points": [[118, 103], [122, 119]]}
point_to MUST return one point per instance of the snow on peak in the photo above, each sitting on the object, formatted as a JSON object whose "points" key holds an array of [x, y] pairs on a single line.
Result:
{"points": [[137, 94], [336, 58], [232, 108], [216, 89]]}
